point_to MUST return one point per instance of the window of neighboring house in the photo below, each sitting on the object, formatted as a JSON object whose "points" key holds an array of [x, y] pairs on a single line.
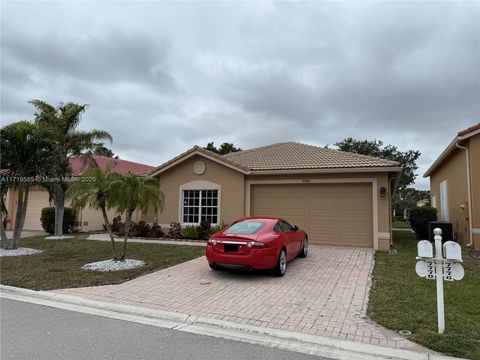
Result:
{"points": [[444, 201], [200, 205]]}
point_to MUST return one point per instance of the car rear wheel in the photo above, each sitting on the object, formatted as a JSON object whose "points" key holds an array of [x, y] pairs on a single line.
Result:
{"points": [[281, 267], [213, 266], [304, 252]]}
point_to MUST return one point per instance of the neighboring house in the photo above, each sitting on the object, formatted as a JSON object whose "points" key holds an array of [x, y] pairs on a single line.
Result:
{"points": [[87, 219], [455, 186], [423, 202], [340, 198]]}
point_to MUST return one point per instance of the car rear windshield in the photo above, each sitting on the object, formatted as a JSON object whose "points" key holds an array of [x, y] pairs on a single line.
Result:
{"points": [[245, 227]]}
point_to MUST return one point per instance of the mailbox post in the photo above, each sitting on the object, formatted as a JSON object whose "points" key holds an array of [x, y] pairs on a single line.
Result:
{"points": [[439, 268], [439, 278]]}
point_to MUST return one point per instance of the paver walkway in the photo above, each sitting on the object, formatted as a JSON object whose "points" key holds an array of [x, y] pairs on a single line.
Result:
{"points": [[324, 294]]}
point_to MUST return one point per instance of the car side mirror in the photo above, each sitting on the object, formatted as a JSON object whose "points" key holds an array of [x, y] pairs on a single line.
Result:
{"points": [[295, 228]]}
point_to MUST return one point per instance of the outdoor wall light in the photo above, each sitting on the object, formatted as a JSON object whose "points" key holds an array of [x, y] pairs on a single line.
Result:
{"points": [[383, 192]]}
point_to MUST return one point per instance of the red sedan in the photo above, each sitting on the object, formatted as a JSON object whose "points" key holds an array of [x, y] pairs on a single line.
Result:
{"points": [[258, 243]]}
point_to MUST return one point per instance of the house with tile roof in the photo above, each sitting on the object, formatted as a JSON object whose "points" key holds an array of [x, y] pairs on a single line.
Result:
{"points": [[87, 219], [455, 186], [339, 198]]}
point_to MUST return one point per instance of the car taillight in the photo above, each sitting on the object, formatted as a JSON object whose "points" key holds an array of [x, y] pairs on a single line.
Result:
{"points": [[256, 244], [211, 241]]}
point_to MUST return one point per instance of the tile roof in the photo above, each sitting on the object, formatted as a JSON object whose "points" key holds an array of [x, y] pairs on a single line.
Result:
{"points": [[292, 156], [119, 166], [469, 130], [461, 135]]}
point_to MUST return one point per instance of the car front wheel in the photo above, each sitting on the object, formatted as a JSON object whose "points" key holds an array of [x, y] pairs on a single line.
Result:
{"points": [[281, 267], [304, 252]]}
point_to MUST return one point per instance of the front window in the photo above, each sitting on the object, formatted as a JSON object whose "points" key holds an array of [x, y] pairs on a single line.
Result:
{"points": [[200, 205], [245, 227]]}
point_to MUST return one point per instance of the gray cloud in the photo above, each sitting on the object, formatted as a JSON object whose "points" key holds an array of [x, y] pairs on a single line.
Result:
{"points": [[162, 77]]}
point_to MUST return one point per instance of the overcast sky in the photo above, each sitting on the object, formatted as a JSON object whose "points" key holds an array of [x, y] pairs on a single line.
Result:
{"points": [[162, 77]]}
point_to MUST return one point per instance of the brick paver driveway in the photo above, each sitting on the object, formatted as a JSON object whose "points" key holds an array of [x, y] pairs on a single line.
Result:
{"points": [[324, 294]]}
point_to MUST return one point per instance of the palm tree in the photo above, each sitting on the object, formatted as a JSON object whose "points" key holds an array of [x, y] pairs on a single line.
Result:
{"points": [[26, 154], [61, 124], [93, 189], [131, 192], [3, 212]]}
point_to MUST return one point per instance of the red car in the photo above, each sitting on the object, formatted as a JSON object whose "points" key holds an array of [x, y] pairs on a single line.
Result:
{"points": [[257, 243]]}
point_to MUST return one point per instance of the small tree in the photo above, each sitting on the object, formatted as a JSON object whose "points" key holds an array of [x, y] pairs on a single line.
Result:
{"points": [[419, 219], [61, 125], [94, 189], [131, 192], [406, 199], [26, 154]]}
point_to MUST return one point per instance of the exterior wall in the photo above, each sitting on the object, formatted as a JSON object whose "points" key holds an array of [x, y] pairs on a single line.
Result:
{"points": [[474, 146], [38, 198], [231, 192], [88, 219], [453, 169], [383, 205]]}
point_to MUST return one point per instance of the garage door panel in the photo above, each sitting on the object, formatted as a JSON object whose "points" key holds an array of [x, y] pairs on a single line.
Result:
{"points": [[333, 214], [37, 200]]}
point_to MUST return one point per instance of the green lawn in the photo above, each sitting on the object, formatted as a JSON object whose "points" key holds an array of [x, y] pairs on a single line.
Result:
{"points": [[400, 224], [59, 266], [400, 299]]}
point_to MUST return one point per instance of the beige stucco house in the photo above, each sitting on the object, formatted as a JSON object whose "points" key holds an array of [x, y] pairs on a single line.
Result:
{"points": [[455, 186], [339, 198], [88, 219]]}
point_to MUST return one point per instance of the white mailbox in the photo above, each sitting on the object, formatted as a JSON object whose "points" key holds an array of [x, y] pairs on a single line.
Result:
{"points": [[425, 249], [452, 251], [448, 268]]}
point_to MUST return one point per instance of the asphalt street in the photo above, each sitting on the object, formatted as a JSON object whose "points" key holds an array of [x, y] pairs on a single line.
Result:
{"points": [[30, 331]]}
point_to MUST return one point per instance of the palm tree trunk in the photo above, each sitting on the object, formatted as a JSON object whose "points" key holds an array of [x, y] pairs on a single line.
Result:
{"points": [[109, 229], [19, 217], [59, 209], [3, 233], [128, 223]]}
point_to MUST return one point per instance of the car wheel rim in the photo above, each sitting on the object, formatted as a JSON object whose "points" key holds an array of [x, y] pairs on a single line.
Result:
{"points": [[305, 247], [283, 262]]}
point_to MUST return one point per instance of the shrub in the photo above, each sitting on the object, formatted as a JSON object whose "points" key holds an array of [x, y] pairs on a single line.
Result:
{"points": [[156, 231], [117, 225], [217, 228], [204, 230], [175, 231], [47, 219], [419, 219], [191, 232], [142, 229]]}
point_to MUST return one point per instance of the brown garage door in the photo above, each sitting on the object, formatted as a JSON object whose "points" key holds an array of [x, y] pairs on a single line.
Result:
{"points": [[37, 199], [334, 214]]}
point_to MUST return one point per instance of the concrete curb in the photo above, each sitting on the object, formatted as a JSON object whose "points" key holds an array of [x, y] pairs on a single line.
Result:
{"points": [[286, 340]]}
